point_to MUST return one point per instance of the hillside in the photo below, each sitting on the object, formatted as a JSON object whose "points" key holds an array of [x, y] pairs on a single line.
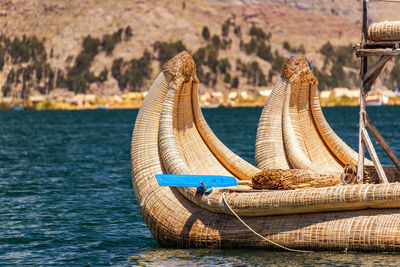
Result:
{"points": [[127, 41]]}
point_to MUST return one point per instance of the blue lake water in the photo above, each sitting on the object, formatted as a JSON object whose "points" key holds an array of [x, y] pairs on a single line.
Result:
{"points": [[66, 196]]}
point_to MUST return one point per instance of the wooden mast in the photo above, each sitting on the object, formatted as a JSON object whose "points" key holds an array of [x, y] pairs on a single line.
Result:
{"points": [[368, 75], [363, 70]]}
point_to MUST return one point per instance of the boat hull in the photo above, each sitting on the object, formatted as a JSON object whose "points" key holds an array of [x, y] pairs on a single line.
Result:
{"points": [[176, 220]]}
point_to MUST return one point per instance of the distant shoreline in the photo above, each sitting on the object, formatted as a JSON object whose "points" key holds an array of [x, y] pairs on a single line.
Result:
{"points": [[133, 100], [94, 107]]}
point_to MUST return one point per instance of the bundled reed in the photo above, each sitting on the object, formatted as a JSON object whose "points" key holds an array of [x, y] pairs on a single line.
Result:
{"points": [[278, 179], [384, 31], [293, 179], [293, 133]]}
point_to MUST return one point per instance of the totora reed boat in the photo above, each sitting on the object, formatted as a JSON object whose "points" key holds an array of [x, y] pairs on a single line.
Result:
{"points": [[171, 136], [308, 190]]}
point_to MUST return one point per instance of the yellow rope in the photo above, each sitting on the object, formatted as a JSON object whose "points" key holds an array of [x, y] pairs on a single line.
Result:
{"points": [[257, 234]]}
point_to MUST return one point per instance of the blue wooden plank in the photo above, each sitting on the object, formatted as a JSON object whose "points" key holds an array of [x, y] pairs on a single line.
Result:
{"points": [[194, 180]]}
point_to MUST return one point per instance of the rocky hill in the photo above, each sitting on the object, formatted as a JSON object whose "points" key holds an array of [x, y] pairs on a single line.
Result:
{"points": [[108, 47]]}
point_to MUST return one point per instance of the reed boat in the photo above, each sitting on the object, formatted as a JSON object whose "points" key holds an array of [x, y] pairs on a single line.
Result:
{"points": [[171, 136]]}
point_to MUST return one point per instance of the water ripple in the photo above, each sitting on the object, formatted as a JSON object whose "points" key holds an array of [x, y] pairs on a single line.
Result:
{"points": [[66, 193]]}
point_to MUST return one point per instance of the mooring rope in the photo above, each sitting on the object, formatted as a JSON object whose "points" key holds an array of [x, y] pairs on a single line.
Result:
{"points": [[257, 234]]}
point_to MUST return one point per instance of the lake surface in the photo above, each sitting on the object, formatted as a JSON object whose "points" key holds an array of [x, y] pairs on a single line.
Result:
{"points": [[66, 195]]}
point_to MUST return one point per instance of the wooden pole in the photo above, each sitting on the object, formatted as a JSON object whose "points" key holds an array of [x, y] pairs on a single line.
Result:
{"points": [[381, 141], [361, 144], [363, 71], [377, 52], [368, 77], [374, 156], [374, 71], [364, 23]]}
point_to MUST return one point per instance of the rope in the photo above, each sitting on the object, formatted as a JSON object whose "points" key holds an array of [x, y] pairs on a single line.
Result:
{"points": [[349, 174], [257, 234]]}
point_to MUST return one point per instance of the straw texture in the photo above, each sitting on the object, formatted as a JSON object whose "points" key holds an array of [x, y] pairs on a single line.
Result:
{"points": [[337, 147], [236, 165], [295, 128], [160, 138], [181, 149], [270, 150], [384, 31], [297, 178], [293, 179], [306, 131]]}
